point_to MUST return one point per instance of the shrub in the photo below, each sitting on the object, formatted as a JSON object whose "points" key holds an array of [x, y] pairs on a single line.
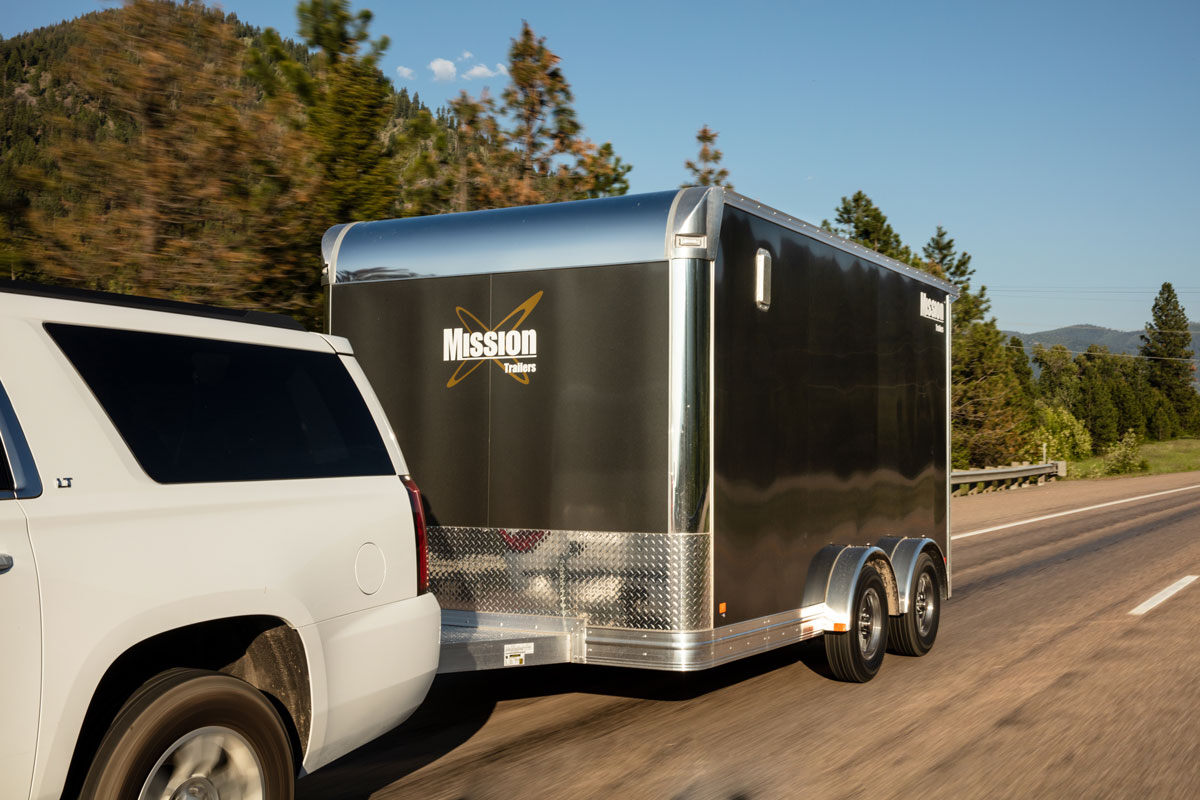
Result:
{"points": [[1066, 438], [1125, 456]]}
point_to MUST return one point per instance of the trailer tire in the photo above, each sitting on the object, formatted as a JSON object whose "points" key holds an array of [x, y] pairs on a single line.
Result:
{"points": [[914, 632], [855, 655], [190, 732]]}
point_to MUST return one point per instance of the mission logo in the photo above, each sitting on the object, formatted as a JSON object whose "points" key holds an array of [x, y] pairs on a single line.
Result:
{"points": [[510, 347]]}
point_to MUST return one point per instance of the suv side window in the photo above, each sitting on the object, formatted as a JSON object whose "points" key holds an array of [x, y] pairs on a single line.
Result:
{"points": [[18, 474], [7, 485], [200, 410]]}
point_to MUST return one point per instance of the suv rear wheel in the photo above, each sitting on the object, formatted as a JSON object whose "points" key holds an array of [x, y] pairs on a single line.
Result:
{"points": [[194, 735]]}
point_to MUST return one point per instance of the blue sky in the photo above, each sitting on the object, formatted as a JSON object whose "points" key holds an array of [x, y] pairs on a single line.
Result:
{"points": [[1058, 142]]}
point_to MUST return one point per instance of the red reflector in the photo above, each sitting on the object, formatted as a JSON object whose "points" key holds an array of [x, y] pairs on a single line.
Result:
{"points": [[418, 509]]}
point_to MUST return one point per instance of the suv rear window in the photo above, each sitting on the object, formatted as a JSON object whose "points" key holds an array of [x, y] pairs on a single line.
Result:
{"points": [[200, 410]]}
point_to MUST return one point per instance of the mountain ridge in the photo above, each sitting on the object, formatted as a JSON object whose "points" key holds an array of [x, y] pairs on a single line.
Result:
{"points": [[1078, 337]]}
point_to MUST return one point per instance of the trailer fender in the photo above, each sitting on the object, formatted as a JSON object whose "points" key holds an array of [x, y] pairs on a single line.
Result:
{"points": [[903, 553], [832, 579]]}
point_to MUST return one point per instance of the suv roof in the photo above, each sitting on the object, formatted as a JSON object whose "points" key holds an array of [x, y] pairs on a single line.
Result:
{"points": [[151, 304]]}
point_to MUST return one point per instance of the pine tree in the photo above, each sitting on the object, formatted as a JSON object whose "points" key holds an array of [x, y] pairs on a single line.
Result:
{"points": [[991, 415], [1058, 380], [1166, 343], [860, 220], [467, 158], [706, 170], [1021, 369], [1095, 407], [943, 260], [539, 99]]}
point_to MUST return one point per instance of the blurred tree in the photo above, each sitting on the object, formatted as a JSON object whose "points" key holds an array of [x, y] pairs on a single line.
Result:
{"points": [[350, 105], [185, 192], [1166, 344], [706, 170]]}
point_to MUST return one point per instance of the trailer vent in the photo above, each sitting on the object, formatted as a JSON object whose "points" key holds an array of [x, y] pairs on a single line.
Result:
{"points": [[762, 279]]}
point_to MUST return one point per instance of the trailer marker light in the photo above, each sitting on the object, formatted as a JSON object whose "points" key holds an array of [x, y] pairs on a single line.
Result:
{"points": [[721, 609], [839, 627], [684, 240]]}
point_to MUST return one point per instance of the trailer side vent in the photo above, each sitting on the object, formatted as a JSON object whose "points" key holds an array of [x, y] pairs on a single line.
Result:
{"points": [[762, 279]]}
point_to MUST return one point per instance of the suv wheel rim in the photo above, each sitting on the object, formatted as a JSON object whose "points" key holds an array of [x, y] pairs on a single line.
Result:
{"points": [[212, 763], [870, 624]]}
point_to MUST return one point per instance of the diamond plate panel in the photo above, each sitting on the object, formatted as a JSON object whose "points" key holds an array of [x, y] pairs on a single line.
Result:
{"points": [[648, 581]]}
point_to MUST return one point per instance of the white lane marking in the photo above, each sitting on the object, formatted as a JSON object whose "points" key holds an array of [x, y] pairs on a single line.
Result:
{"points": [[1073, 511], [1174, 588]]}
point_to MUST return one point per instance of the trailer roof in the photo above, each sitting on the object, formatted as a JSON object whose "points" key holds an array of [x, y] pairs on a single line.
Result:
{"points": [[583, 233]]}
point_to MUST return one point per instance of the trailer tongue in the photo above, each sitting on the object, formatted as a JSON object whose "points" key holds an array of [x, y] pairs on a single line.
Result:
{"points": [[662, 431]]}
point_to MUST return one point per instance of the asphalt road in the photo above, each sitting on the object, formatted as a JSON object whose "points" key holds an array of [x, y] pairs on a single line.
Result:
{"points": [[1042, 684]]}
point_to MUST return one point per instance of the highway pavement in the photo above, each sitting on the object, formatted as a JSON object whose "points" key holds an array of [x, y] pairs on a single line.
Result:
{"points": [[1042, 684]]}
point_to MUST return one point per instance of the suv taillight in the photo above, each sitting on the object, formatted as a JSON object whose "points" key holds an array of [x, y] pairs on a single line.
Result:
{"points": [[418, 509]]}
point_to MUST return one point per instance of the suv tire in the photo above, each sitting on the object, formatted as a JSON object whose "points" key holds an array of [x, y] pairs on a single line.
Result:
{"points": [[193, 733]]}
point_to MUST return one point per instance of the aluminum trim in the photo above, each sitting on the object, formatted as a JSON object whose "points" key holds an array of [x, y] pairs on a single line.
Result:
{"points": [[696, 211], [949, 434], [26, 480], [689, 394], [606, 231], [697, 650], [815, 232]]}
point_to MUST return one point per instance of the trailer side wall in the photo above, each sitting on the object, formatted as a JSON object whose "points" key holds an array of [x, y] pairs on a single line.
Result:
{"points": [[829, 413]]}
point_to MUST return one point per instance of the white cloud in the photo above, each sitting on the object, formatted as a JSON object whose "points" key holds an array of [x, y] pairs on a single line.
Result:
{"points": [[466, 54], [443, 70], [406, 73], [480, 71]]}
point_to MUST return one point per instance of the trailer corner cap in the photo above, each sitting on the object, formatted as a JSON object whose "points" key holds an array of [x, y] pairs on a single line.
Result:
{"points": [[331, 243], [694, 224]]}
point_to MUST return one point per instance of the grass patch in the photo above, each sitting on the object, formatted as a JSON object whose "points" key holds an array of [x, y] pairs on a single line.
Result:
{"points": [[1176, 455]]}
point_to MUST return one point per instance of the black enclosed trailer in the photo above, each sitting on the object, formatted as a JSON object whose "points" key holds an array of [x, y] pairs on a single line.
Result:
{"points": [[664, 430]]}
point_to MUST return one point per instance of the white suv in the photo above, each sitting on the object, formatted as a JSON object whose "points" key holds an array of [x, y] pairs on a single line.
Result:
{"points": [[212, 560]]}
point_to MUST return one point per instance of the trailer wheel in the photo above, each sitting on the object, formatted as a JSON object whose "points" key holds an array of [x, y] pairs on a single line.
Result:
{"points": [[914, 632], [855, 655], [191, 733]]}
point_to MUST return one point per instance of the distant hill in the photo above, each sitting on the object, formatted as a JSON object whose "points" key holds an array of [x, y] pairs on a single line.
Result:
{"points": [[1077, 338]]}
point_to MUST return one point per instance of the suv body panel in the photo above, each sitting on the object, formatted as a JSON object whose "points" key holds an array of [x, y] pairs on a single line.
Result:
{"points": [[121, 558]]}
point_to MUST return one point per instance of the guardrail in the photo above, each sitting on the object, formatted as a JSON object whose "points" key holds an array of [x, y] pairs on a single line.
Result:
{"points": [[973, 481]]}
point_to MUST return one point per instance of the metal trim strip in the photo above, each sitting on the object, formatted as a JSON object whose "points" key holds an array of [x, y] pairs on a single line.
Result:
{"points": [[744, 203], [697, 650]]}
